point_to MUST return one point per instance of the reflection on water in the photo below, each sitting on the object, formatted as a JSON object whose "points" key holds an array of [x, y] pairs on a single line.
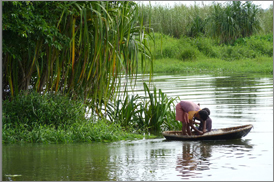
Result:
{"points": [[197, 156], [233, 100], [193, 158], [156, 159], [189, 162]]}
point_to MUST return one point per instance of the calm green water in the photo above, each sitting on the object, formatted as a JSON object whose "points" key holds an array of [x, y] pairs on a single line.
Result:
{"points": [[233, 100]]}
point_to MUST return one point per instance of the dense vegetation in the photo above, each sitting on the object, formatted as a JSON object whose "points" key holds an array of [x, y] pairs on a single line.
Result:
{"points": [[64, 60], [231, 37], [202, 54], [187, 48], [76, 48], [224, 22], [57, 119]]}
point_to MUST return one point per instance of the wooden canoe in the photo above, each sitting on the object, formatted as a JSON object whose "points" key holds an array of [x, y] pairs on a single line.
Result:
{"points": [[215, 134]]}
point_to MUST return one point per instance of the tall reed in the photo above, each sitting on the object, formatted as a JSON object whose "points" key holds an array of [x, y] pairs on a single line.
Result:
{"points": [[176, 21], [226, 22], [234, 20]]}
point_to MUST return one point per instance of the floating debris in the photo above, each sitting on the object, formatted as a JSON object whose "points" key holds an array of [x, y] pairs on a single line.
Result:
{"points": [[13, 175]]}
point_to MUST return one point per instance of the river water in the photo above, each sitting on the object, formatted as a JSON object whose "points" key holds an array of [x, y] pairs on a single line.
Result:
{"points": [[233, 100]]}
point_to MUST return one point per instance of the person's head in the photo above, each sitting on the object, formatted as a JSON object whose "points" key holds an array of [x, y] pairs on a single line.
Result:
{"points": [[207, 110], [201, 115]]}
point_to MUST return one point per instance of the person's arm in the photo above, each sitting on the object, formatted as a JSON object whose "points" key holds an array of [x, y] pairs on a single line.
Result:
{"points": [[204, 128], [194, 122], [194, 128]]}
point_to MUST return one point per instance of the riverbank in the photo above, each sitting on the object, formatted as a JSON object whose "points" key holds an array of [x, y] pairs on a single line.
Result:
{"points": [[203, 54], [100, 131], [258, 65], [50, 118]]}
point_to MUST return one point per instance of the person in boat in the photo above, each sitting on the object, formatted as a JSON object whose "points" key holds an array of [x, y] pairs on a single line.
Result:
{"points": [[208, 122], [187, 112]]}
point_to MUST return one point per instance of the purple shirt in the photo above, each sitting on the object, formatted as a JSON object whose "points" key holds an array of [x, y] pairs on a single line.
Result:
{"points": [[208, 124]]}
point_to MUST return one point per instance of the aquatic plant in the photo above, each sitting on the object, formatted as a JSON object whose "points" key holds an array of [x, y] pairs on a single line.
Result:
{"points": [[151, 113], [158, 111], [124, 111]]}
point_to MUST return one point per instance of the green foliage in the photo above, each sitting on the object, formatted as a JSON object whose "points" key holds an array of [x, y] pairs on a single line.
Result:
{"points": [[153, 113], [251, 47], [176, 21], [188, 54], [88, 131], [225, 23], [165, 47], [261, 65], [234, 20], [24, 22], [72, 47], [169, 52], [30, 110], [197, 26], [182, 48], [202, 47], [32, 118], [124, 111], [261, 44], [253, 54], [158, 111], [267, 20], [206, 46], [54, 118]]}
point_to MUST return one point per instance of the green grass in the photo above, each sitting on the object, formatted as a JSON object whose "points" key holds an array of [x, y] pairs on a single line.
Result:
{"points": [[101, 131], [258, 65], [202, 54]]}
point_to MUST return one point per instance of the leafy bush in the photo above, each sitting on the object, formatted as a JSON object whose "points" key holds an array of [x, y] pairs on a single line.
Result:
{"points": [[206, 46], [33, 108], [165, 46], [170, 52], [262, 46], [198, 48], [189, 54]]}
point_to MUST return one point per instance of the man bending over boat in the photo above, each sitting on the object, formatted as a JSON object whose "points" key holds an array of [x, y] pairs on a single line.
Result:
{"points": [[187, 112]]}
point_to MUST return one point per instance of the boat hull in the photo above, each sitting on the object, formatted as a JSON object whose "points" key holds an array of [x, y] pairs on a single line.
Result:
{"points": [[218, 134]]}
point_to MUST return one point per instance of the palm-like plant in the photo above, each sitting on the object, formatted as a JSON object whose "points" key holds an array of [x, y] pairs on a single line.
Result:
{"points": [[83, 54]]}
